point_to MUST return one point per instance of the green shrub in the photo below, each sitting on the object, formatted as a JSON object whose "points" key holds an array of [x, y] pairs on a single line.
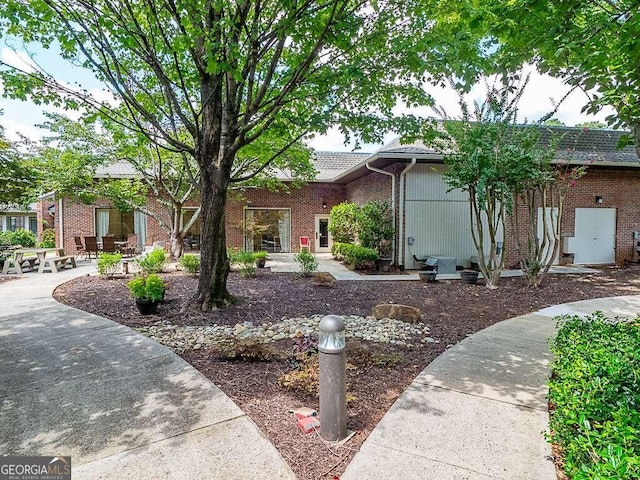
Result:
{"points": [[5, 239], [153, 262], [261, 255], [358, 257], [48, 238], [23, 237], [247, 262], [375, 226], [304, 379], [232, 254], [147, 287], [343, 222], [190, 263], [595, 397], [338, 249], [308, 262], [108, 263]]}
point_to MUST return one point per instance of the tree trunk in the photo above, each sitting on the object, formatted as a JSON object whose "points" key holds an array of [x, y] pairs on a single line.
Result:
{"points": [[214, 264], [176, 240]]}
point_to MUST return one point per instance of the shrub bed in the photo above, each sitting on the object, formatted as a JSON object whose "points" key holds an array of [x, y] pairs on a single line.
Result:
{"points": [[594, 397], [355, 256]]}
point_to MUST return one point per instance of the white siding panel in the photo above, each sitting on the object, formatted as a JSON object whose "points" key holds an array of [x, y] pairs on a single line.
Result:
{"points": [[438, 220], [439, 228], [425, 182]]}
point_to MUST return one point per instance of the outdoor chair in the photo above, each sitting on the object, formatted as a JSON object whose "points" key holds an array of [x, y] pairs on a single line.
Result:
{"points": [[305, 243], [109, 244], [132, 245], [80, 250], [91, 246]]}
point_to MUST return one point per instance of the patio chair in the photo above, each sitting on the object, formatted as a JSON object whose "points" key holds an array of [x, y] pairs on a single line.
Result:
{"points": [[80, 250], [132, 245], [91, 246], [305, 243], [109, 244]]}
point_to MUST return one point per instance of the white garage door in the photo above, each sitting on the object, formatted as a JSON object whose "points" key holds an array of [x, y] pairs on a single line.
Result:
{"points": [[595, 235]]}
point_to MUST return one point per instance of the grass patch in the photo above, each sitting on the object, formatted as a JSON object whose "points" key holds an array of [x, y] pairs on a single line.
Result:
{"points": [[594, 397]]}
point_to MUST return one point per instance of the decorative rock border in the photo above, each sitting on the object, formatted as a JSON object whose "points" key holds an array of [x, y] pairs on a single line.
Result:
{"points": [[386, 330]]}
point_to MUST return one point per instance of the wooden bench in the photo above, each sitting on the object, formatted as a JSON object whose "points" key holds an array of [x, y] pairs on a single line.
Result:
{"points": [[54, 263], [17, 264]]}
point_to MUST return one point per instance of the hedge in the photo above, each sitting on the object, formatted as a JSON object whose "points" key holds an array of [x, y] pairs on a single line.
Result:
{"points": [[594, 397]]}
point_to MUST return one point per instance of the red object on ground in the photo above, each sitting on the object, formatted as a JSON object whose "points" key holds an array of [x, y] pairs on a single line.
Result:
{"points": [[307, 424], [305, 412]]}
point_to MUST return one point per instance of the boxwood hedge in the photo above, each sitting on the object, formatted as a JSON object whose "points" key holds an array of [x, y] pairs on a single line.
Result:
{"points": [[594, 397]]}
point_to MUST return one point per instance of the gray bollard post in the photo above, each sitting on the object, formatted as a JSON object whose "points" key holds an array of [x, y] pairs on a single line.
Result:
{"points": [[333, 393]]}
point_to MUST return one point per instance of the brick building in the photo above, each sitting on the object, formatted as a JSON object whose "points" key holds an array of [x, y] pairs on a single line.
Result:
{"points": [[600, 224]]}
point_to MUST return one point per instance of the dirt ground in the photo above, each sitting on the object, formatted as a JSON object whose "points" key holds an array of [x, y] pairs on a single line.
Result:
{"points": [[377, 373]]}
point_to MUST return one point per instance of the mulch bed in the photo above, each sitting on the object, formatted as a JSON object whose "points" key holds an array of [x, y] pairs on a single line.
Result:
{"points": [[379, 372]]}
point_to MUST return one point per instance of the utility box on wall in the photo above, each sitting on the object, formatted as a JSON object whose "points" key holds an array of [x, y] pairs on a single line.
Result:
{"points": [[568, 245]]}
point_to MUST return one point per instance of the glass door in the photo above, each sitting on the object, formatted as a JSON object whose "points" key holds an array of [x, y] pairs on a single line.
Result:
{"points": [[324, 241]]}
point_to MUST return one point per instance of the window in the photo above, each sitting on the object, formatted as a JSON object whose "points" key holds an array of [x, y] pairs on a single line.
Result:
{"points": [[114, 222], [33, 225], [267, 229], [16, 223]]}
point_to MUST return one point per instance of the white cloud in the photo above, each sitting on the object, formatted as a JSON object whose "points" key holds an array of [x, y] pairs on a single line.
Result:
{"points": [[541, 94], [19, 60], [14, 129]]}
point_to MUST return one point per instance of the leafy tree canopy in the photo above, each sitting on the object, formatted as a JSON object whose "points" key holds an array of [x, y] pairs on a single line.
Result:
{"points": [[593, 44], [17, 177], [209, 78]]}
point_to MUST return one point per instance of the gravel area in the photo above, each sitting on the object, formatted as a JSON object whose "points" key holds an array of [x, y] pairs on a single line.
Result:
{"points": [[191, 337]]}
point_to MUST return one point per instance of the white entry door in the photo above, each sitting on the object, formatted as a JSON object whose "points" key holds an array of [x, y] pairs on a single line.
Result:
{"points": [[324, 242], [595, 235]]}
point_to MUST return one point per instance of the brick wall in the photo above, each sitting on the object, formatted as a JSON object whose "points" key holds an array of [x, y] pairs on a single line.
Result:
{"points": [[618, 189], [374, 186], [304, 203]]}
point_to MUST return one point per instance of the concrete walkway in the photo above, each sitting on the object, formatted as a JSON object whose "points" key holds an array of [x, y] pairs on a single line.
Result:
{"points": [[285, 262], [121, 405], [478, 411]]}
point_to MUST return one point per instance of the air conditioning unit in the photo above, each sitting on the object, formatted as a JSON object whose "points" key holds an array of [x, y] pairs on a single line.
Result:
{"points": [[569, 245]]}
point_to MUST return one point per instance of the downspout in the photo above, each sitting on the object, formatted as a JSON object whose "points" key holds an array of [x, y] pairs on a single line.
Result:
{"points": [[60, 224], [393, 202], [401, 211]]}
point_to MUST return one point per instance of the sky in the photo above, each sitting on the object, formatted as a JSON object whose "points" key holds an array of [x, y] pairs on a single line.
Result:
{"points": [[540, 96]]}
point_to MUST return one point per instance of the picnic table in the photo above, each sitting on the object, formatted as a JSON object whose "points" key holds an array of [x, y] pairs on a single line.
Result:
{"points": [[30, 257]]}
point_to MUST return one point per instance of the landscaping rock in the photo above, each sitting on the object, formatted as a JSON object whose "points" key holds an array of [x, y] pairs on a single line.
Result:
{"points": [[404, 313]]}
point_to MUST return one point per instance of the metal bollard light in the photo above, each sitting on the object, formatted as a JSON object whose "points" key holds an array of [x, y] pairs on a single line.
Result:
{"points": [[333, 393]]}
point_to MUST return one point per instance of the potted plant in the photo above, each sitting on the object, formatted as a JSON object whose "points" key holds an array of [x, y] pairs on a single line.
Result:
{"points": [[427, 275], [469, 276], [148, 291], [261, 258], [384, 252]]}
